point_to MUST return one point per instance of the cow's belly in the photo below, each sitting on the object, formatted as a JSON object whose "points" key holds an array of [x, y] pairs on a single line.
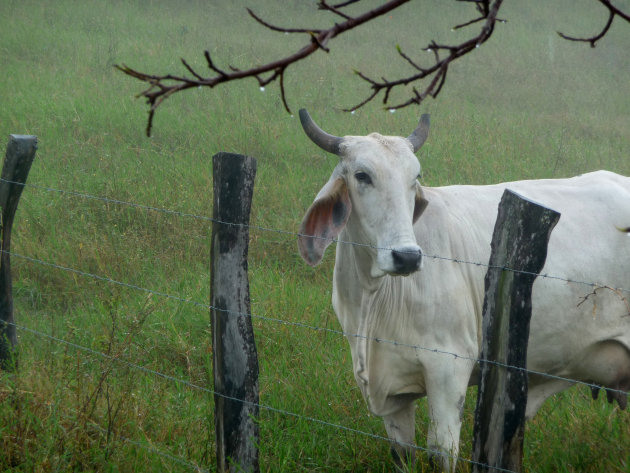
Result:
{"points": [[578, 332], [566, 323]]}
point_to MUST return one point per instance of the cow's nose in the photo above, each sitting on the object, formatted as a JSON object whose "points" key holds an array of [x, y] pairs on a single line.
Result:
{"points": [[407, 260]]}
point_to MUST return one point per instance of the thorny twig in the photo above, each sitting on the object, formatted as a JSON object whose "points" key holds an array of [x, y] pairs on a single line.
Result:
{"points": [[612, 13], [160, 87], [163, 86], [617, 292], [488, 14]]}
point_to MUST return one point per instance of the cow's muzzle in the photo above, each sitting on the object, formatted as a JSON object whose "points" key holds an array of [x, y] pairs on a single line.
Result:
{"points": [[406, 260]]}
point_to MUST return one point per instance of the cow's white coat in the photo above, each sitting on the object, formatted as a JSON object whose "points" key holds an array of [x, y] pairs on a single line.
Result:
{"points": [[575, 333]]}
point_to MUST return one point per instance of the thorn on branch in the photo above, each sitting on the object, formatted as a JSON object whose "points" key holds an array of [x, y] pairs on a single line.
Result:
{"points": [[150, 121], [367, 100], [434, 50], [211, 65], [387, 91], [190, 69], [322, 5], [612, 13], [315, 40], [345, 4], [408, 59], [417, 95], [476, 20], [442, 77], [278, 28], [482, 6], [593, 39], [365, 78], [283, 93]]}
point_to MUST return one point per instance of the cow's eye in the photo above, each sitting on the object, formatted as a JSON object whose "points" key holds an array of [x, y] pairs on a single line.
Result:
{"points": [[419, 175], [363, 177]]}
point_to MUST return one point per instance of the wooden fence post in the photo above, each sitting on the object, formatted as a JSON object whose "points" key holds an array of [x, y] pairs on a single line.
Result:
{"points": [[235, 359], [519, 242], [17, 163]]}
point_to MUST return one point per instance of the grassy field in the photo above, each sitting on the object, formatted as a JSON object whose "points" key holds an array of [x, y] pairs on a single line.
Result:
{"points": [[526, 105]]}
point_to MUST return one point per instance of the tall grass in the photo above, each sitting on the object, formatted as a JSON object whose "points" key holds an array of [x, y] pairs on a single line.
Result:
{"points": [[526, 105]]}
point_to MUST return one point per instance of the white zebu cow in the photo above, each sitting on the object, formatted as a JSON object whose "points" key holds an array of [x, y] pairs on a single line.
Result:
{"points": [[373, 198]]}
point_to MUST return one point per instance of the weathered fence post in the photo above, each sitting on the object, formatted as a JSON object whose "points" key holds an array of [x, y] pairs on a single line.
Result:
{"points": [[17, 163], [519, 242], [234, 349]]}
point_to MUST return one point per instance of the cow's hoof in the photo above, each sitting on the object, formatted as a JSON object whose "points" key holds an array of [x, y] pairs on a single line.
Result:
{"points": [[404, 459], [439, 462]]}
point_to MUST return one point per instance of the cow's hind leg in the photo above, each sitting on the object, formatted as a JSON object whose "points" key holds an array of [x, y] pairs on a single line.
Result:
{"points": [[400, 428]]}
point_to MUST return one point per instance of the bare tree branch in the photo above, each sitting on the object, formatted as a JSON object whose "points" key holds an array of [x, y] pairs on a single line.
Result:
{"points": [[335, 9], [163, 86], [345, 4], [160, 87], [612, 13], [280, 29], [439, 69]]}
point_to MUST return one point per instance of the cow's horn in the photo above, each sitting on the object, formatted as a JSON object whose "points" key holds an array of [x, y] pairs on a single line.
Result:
{"points": [[420, 134], [318, 136]]}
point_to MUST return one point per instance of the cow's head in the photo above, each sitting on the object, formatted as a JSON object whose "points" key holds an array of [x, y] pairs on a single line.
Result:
{"points": [[374, 192]]}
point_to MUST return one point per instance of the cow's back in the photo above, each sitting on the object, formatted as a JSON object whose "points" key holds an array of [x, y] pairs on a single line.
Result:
{"points": [[582, 304]]}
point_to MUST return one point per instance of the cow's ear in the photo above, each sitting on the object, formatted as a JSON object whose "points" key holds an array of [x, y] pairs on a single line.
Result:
{"points": [[324, 220], [420, 204]]}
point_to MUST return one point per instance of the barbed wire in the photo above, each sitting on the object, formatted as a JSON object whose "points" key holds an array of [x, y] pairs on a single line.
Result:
{"points": [[144, 446], [333, 240], [152, 449], [112, 201], [298, 324], [313, 327], [250, 403]]}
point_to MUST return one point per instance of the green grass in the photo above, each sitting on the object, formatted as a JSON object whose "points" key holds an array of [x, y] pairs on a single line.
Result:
{"points": [[526, 105]]}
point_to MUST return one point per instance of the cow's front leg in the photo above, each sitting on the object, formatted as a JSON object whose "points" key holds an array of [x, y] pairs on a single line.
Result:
{"points": [[400, 428], [446, 392]]}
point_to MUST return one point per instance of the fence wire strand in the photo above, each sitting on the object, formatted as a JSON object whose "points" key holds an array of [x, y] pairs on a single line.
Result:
{"points": [[231, 398], [149, 448], [297, 234], [280, 321], [153, 449], [311, 327]]}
